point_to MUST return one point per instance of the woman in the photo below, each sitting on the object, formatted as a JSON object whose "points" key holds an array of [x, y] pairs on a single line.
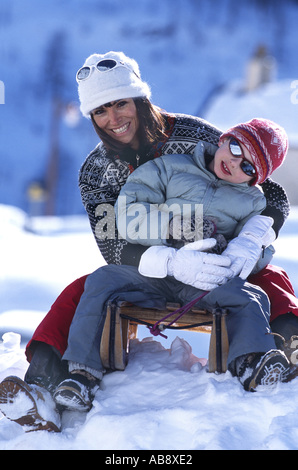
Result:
{"points": [[131, 134]]}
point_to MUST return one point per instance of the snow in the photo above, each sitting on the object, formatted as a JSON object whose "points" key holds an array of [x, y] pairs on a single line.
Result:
{"points": [[165, 399], [273, 101]]}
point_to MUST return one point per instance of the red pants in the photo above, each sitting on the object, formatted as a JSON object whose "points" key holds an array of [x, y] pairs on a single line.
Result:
{"points": [[275, 282], [54, 328]]}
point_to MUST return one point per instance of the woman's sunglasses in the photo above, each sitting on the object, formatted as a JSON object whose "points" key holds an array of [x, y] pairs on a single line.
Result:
{"points": [[103, 65], [246, 166]]}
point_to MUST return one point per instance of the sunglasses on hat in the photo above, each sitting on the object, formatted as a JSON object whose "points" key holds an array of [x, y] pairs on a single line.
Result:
{"points": [[236, 150], [104, 65]]}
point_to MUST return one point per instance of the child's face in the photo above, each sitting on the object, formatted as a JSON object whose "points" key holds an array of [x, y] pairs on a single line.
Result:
{"points": [[227, 167]]}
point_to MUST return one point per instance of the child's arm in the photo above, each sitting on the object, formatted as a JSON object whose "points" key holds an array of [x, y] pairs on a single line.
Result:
{"points": [[141, 213], [246, 249]]}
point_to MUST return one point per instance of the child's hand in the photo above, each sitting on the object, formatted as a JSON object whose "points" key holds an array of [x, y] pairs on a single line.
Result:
{"points": [[246, 249]]}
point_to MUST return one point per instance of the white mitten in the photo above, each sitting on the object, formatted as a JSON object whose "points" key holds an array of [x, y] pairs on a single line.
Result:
{"points": [[189, 265], [245, 250]]}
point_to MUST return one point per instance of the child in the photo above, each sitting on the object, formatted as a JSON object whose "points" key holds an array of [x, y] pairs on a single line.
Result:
{"points": [[224, 179]]}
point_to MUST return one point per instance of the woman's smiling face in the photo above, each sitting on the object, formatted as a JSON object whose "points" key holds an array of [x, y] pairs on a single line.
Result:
{"points": [[227, 167], [119, 119]]}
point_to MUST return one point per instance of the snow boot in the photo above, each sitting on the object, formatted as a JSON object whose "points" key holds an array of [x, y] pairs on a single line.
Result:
{"points": [[28, 406], [76, 393], [289, 347], [254, 370]]}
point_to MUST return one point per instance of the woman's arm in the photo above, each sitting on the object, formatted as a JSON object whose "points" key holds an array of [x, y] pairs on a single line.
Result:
{"points": [[278, 205], [100, 181]]}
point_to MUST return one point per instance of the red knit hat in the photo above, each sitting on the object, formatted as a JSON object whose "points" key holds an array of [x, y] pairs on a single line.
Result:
{"points": [[266, 141]]}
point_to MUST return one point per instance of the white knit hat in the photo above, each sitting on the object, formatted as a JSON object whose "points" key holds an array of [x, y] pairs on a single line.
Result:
{"points": [[122, 81]]}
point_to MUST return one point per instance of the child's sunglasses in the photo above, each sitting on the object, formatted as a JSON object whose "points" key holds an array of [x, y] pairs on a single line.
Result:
{"points": [[246, 166]]}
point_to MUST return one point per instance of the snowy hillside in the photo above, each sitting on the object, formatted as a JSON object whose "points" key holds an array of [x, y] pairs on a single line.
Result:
{"points": [[165, 399], [186, 49]]}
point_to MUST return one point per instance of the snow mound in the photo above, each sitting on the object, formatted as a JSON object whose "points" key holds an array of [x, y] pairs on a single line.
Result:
{"points": [[12, 358], [13, 220], [165, 400]]}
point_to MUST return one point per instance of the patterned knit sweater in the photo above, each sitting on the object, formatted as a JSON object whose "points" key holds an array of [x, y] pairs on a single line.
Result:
{"points": [[102, 176]]}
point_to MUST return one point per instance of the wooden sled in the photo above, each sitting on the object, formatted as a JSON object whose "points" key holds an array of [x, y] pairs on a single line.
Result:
{"points": [[122, 323]]}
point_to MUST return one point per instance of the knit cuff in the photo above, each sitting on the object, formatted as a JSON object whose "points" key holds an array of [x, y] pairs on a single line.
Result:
{"points": [[76, 366]]}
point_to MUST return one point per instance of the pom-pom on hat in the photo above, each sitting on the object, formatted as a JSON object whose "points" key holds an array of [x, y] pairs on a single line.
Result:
{"points": [[266, 141], [112, 84]]}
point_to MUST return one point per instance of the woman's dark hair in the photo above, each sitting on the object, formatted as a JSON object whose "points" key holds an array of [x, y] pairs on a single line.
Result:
{"points": [[151, 126]]}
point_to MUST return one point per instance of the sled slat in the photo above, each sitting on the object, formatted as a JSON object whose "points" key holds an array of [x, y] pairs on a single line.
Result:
{"points": [[153, 315]]}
